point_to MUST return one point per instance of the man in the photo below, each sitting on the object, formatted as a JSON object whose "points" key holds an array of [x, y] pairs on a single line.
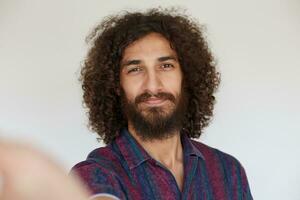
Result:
{"points": [[149, 81]]}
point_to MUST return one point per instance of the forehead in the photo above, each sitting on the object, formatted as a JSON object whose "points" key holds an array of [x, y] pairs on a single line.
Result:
{"points": [[152, 45]]}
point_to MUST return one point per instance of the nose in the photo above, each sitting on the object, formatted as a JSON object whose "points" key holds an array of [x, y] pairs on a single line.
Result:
{"points": [[153, 83]]}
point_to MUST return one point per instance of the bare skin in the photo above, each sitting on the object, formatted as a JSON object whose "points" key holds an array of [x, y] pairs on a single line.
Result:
{"points": [[28, 174]]}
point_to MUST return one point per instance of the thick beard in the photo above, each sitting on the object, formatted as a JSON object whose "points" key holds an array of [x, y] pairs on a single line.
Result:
{"points": [[155, 124]]}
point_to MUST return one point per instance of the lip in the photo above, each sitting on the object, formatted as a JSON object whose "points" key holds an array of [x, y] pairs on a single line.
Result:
{"points": [[155, 101]]}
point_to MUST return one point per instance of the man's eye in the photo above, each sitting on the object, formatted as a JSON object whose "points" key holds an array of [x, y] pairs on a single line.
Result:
{"points": [[167, 66], [134, 69]]}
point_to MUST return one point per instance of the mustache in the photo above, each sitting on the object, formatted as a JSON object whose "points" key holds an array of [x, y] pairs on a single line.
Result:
{"points": [[161, 95]]}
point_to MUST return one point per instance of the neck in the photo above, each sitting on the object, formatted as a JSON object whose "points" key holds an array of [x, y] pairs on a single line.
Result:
{"points": [[167, 151]]}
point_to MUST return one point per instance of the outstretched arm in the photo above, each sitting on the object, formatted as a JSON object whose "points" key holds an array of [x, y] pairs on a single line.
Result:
{"points": [[27, 174]]}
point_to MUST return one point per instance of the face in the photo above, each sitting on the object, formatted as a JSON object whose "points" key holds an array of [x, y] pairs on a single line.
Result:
{"points": [[151, 80]]}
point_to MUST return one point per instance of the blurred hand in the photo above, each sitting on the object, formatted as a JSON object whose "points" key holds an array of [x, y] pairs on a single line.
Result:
{"points": [[30, 175]]}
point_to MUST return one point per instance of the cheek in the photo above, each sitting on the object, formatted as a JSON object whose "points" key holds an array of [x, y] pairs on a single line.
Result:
{"points": [[173, 84], [130, 90]]}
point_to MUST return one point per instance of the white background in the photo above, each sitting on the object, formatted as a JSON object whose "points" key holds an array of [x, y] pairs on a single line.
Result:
{"points": [[256, 44]]}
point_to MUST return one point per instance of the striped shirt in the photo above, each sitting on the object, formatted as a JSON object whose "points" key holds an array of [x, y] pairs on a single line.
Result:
{"points": [[123, 169]]}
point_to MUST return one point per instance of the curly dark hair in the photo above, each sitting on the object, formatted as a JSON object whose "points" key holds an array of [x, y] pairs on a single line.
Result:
{"points": [[101, 70]]}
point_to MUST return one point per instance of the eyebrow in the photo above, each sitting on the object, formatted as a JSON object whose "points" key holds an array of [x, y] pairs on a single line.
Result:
{"points": [[130, 62], [165, 58], [136, 62]]}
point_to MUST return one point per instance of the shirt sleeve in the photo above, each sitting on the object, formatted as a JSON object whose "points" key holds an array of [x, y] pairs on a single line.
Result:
{"points": [[245, 185], [99, 181], [235, 177]]}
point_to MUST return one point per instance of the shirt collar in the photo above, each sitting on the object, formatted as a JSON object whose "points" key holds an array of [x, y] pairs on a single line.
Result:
{"points": [[134, 154], [189, 148]]}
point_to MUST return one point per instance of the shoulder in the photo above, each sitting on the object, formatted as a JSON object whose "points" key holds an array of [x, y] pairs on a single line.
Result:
{"points": [[105, 159], [100, 171], [212, 154], [226, 169]]}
